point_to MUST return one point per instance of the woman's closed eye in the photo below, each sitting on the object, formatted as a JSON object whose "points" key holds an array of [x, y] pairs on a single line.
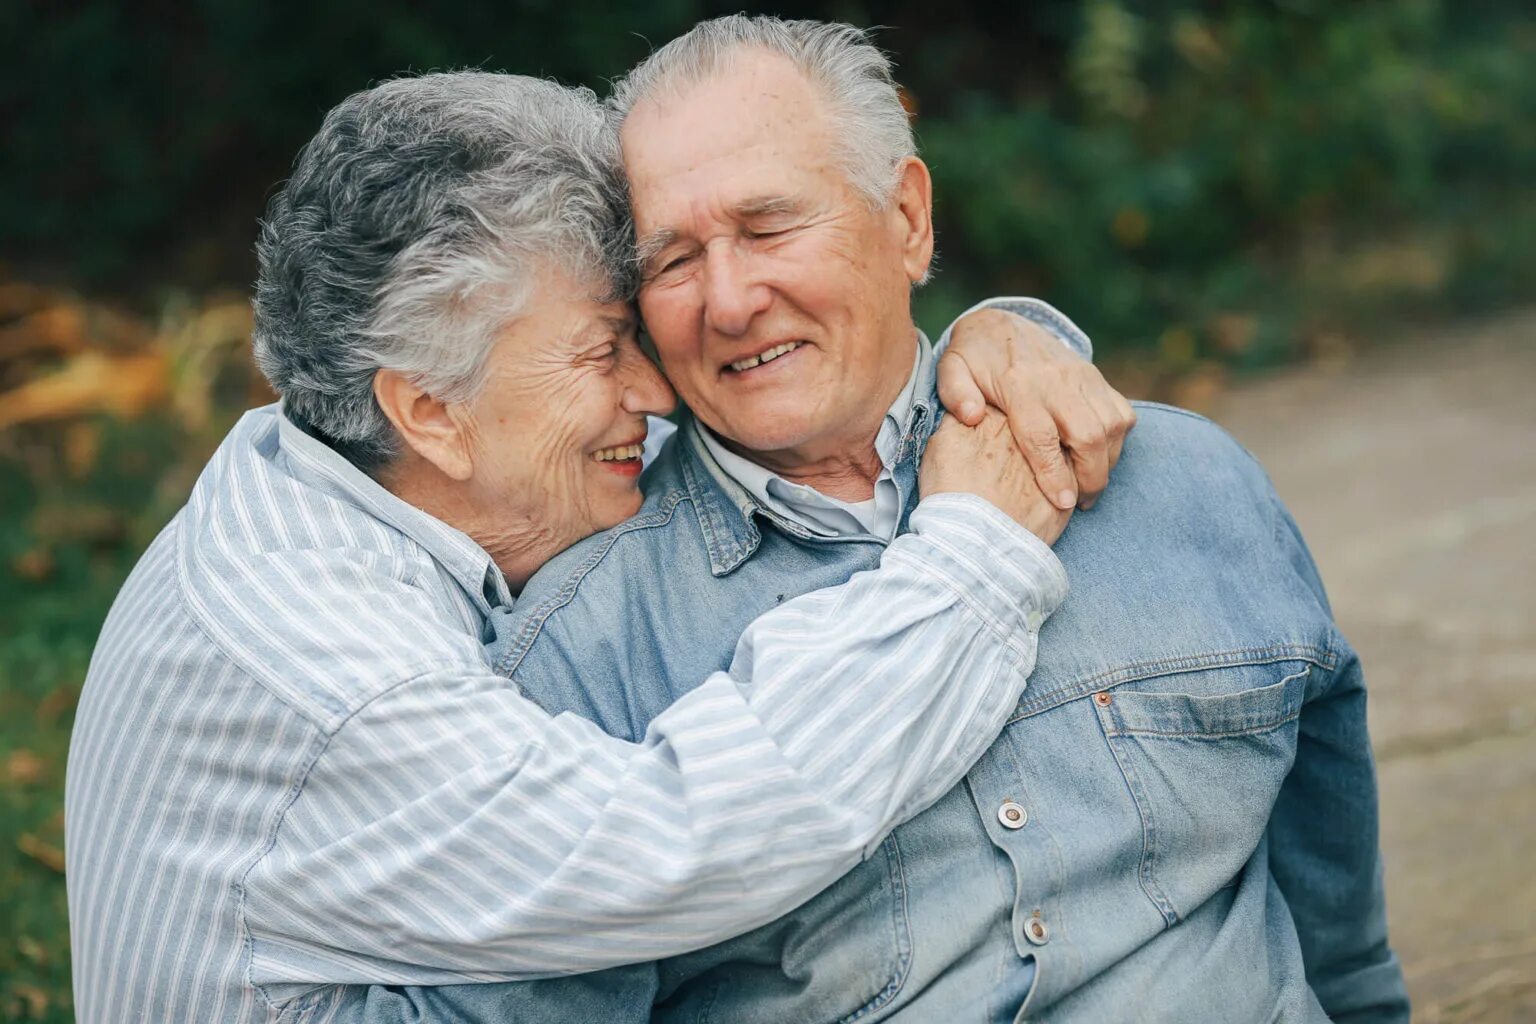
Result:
{"points": [[604, 356]]}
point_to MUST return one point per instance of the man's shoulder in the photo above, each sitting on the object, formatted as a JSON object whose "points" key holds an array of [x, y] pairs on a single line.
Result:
{"points": [[599, 578], [1186, 562], [1170, 430], [1177, 456]]}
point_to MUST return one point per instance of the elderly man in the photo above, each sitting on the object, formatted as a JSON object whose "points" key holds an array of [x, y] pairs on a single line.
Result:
{"points": [[293, 768], [1179, 822]]}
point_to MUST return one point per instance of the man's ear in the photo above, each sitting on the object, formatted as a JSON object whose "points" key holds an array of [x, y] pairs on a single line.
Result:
{"points": [[913, 206], [427, 425]]}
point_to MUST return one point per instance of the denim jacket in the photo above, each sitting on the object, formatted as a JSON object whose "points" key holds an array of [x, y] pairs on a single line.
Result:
{"points": [[1178, 823]]}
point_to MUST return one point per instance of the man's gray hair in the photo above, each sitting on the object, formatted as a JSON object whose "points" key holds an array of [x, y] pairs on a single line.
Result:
{"points": [[411, 231], [869, 123]]}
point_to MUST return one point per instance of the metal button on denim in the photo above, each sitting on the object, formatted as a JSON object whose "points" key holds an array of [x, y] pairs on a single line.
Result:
{"points": [[1036, 931], [1103, 699], [1012, 815]]}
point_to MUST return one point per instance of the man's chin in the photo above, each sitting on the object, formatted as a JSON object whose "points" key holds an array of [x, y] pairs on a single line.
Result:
{"points": [[768, 435]]}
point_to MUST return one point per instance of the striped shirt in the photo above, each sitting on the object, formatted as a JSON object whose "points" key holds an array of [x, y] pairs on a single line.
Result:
{"points": [[292, 769]]}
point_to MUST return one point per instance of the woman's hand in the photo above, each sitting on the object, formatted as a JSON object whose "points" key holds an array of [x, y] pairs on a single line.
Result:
{"points": [[1067, 421], [984, 460]]}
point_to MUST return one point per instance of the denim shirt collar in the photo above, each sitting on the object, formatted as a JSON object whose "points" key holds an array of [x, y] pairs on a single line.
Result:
{"points": [[727, 510]]}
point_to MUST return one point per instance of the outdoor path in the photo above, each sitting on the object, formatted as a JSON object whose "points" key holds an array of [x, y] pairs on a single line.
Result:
{"points": [[1412, 472]]}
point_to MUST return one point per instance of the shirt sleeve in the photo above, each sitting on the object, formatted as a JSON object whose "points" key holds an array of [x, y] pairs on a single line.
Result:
{"points": [[453, 831], [1037, 311], [1324, 847]]}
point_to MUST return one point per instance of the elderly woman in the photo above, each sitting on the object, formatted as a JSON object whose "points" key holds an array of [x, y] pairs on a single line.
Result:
{"points": [[293, 770]]}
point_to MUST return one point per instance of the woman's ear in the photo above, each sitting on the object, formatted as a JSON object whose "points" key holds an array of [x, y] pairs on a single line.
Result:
{"points": [[426, 424]]}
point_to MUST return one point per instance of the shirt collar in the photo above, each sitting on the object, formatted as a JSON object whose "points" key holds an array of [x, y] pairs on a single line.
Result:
{"points": [[728, 489], [318, 465]]}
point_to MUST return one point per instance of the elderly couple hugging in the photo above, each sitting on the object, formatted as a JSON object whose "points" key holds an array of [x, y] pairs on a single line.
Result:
{"points": [[428, 706]]}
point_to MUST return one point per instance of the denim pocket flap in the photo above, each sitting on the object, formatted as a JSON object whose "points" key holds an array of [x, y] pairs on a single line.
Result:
{"points": [[1193, 716]]}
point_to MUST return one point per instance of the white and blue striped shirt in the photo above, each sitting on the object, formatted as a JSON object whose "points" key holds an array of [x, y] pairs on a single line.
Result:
{"points": [[292, 769]]}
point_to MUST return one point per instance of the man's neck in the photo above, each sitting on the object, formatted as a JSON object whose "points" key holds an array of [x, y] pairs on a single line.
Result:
{"points": [[848, 473]]}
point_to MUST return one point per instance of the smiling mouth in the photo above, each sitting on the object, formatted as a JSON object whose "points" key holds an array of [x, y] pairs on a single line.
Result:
{"points": [[620, 453], [743, 365]]}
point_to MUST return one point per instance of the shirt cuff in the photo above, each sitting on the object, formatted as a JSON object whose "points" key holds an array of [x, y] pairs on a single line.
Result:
{"points": [[1008, 575], [1036, 311]]}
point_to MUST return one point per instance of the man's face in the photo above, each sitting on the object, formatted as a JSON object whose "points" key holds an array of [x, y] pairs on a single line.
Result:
{"points": [[756, 245]]}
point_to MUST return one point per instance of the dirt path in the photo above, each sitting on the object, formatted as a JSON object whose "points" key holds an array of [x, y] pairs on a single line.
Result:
{"points": [[1412, 472]]}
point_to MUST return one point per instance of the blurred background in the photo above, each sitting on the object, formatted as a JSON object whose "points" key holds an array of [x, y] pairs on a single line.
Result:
{"points": [[1311, 220]]}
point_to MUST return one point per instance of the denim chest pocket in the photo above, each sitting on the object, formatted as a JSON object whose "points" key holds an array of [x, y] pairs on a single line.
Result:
{"points": [[1204, 765], [842, 957]]}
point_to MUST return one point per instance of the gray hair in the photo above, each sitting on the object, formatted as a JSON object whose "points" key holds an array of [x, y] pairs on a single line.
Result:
{"points": [[412, 230], [870, 125]]}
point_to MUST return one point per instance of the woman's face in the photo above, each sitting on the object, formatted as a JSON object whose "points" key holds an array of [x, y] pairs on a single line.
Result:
{"points": [[557, 430]]}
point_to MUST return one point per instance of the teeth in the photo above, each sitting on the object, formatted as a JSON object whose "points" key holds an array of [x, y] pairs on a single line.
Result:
{"points": [[766, 357], [619, 454]]}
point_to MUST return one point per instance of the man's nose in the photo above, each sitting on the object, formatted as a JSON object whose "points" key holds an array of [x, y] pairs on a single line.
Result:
{"points": [[732, 293], [646, 391]]}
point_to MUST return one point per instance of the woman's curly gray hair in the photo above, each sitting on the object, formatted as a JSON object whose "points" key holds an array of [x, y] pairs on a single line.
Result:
{"points": [[413, 228]]}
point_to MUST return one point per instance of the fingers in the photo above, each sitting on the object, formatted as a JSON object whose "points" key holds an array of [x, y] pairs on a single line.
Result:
{"points": [[1034, 431], [1118, 417], [958, 389], [1115, 418], [1087, 441]]}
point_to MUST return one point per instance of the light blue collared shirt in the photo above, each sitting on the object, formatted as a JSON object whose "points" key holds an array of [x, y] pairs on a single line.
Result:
{"points": [[820, 513], [879, 515]]}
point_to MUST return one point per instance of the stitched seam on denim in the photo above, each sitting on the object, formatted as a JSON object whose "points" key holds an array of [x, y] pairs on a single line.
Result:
{"points": [[1034, 987], [902, 929], [1334, 674], [534, 625], [1051, 858], [726, 552], [1319, 656], [1254, 730], [1253, 725], [1005, 957], [1145, 870]]}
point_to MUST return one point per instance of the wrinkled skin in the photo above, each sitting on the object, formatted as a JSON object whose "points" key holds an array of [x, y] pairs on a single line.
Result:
{"points": [[753, 237], [516, 467]]}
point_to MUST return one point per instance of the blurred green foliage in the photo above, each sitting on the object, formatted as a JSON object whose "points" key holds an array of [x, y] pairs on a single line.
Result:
{"points": [[68, 537], [1293, 163], [1230, 181], [1147, 166]]}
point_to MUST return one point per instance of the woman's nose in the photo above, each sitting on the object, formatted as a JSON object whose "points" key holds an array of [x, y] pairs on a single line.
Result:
{"points": [[646, 391]]}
